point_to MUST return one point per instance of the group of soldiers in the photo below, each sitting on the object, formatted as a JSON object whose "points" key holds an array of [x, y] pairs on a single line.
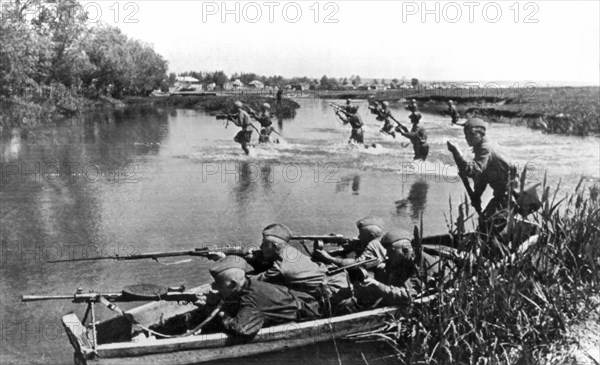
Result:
{"points": [[242, 119], [417, 134], [279, 283]]}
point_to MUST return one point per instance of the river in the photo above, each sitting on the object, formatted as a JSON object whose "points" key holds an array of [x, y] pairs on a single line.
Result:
{"points": [[147, 179]]}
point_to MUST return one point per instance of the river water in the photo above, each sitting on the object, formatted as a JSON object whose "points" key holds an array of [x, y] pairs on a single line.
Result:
{"points": [[141, 180]]}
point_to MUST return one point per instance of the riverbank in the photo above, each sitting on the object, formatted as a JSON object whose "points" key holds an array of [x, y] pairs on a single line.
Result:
{"points": [[16, 112], [560, 110]]}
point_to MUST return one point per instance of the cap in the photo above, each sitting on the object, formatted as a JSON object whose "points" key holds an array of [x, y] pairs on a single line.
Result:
{"points": [[395, 235], [238, 104], [475, 123], [266, 106], [278, 230], [369, 221], [229, 262]]}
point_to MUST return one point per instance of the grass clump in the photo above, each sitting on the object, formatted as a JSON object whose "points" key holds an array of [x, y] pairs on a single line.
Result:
{"points": [[519, 307]]}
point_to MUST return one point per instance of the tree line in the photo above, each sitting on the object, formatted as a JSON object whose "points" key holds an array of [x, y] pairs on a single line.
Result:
{"points": [[49, 46]]}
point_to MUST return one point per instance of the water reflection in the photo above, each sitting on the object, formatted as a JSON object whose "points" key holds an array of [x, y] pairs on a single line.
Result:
{"points": [[352, 181], [417, 199]]}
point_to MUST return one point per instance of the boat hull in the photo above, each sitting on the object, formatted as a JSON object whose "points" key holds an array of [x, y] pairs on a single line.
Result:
{"points": [[203, 348]]}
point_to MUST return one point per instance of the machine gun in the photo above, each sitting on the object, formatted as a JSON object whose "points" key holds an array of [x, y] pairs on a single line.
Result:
{"points": [[202, 252], [131, 293]]}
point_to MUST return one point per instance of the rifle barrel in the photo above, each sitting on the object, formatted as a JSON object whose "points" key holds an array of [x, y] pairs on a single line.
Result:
{"points": [[34, 298], [356, 264]]}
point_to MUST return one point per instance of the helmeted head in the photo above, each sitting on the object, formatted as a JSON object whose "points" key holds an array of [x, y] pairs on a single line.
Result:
{"points": [[475, 129], [398, 244], [450, 102], [275, 237], [229, 274], [348, 101], [385, 104], [414, 101], [353, 109], [415, 117], [266, 106], [369, 228], [238, 104]]}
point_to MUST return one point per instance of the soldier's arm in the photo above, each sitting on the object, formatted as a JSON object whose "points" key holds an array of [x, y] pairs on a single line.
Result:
{"points": [[247, 322], [272, 275], [478, 165], [393, 294]]}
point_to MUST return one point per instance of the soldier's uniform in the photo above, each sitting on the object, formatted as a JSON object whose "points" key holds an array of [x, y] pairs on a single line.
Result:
{"points": [[418, 137], [244, 136], [297, 271], [401, 283], [264, 118], [258, 304], [490, 167], [453, 112], [356, 123]]}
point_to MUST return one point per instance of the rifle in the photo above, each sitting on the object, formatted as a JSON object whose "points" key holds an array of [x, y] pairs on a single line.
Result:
{"points": [[229, 117], [339, 108], [474, 201], [351, 266], [203, 252], [132, 293], [337, 239]]}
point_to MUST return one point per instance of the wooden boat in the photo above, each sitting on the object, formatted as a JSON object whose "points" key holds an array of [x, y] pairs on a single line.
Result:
{"points": [[120, 340], [115, 344]]}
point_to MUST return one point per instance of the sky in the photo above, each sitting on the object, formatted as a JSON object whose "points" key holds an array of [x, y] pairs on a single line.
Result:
{"points": [[541, 41]]}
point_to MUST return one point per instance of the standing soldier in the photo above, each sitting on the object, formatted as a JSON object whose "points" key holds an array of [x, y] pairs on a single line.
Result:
{"points": [[264, 118], [412, 107], [489, 167], [453, 112], [386, 116], [279, 95], [242, 120], [355, 121], [417, 136]]}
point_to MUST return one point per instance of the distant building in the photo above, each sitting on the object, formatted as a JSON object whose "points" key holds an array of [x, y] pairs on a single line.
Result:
{"points": [[256, 84]]}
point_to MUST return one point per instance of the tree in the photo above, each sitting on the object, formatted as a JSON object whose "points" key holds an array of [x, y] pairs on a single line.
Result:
{"points": [[414, 82], [356, 81]]}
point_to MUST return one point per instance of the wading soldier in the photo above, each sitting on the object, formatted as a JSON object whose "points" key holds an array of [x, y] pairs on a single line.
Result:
{"points": [[412, 107], [356, 123], [386, 117], [279, 95], [264, 118], [452, 111], [417, 136], [243, 121], [367, 247], [489, 167], [257, 304]]}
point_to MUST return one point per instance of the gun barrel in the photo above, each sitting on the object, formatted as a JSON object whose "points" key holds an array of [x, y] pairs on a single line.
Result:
{"points": [[35, 298], [323, 237], [351, 266]]}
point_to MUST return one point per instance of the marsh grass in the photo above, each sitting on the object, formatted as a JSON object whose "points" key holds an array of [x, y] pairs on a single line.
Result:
{"points": [[515, 309]]}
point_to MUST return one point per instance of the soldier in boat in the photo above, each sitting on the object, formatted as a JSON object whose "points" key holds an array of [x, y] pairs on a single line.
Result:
{"points": [[277, 262], [489, 167], [253, 303], [366, 247], [406, 275]]}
